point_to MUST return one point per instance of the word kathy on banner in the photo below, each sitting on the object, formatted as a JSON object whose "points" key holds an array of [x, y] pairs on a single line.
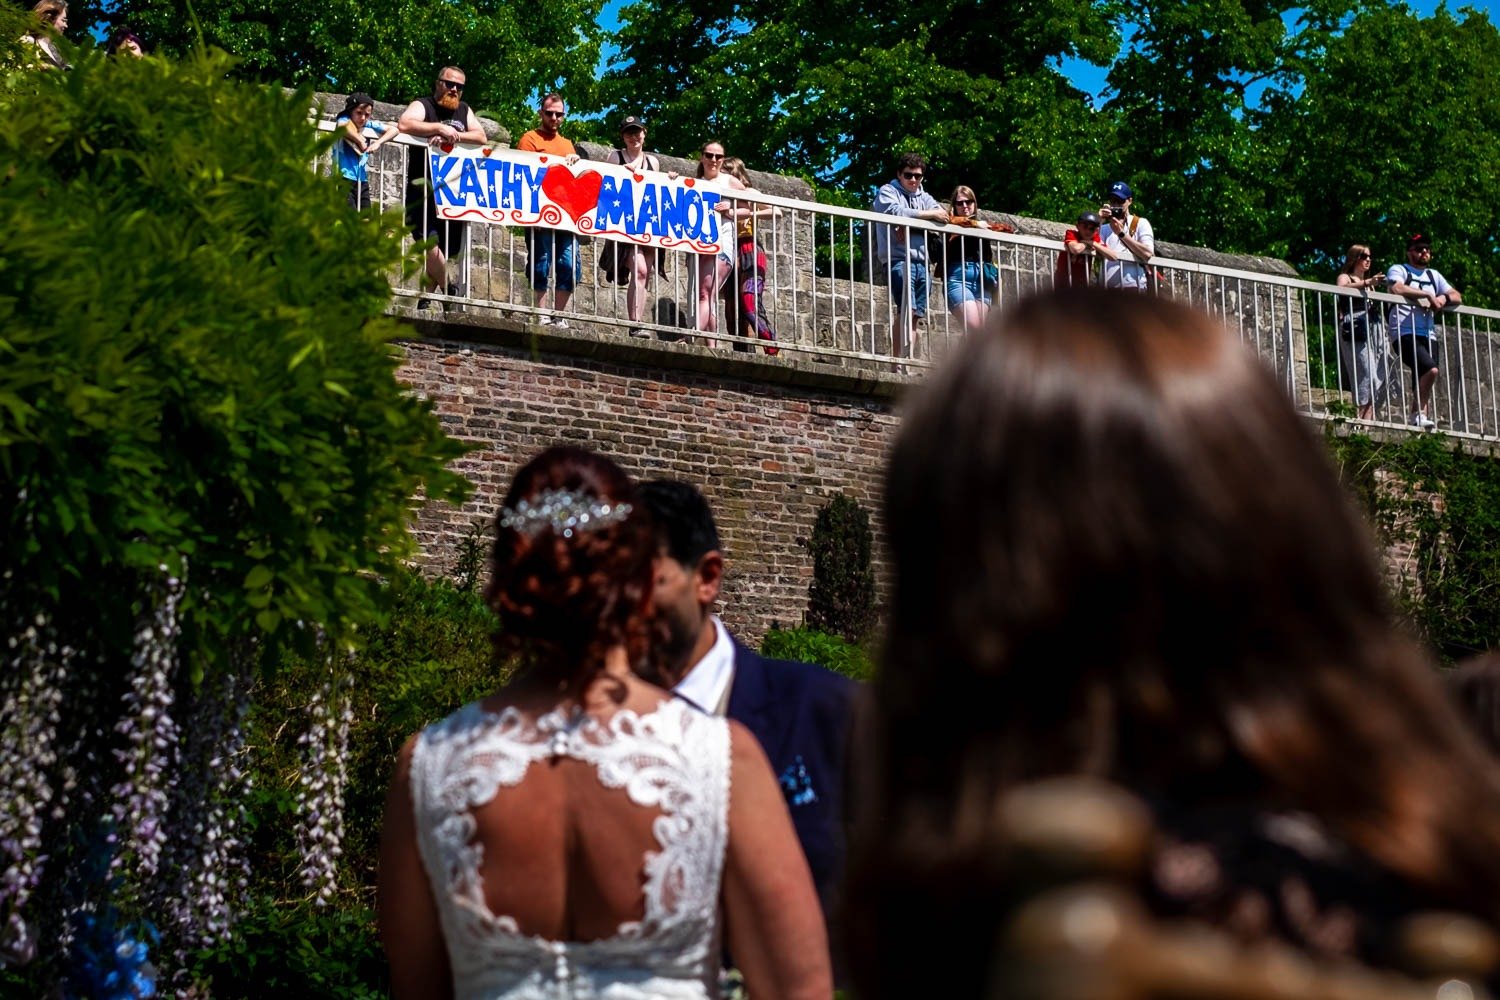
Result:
{"points": [[513, 188]]}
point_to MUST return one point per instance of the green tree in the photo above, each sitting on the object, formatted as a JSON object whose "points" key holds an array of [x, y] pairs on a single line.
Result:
{"points": [[1398, 131], [205, 456], [834, 88], [1192, 91], [841, 599], [391, 49]]}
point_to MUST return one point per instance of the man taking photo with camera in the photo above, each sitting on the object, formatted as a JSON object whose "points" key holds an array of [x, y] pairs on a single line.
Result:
{"points": [[1130, 237]]}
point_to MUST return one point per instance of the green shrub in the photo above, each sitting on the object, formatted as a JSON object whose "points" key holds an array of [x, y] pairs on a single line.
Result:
{"points": [[841, 598], [285, 949], [811, 646], [430, 655], [195, 367], [196, 379], [1453, 597]]}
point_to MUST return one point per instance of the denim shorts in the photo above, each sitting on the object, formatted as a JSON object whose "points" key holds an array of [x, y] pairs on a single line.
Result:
{"points": [[966, 284], [543, 247], [908, 277]]}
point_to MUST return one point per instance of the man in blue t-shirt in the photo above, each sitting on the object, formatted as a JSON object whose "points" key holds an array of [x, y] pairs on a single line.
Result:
{"points": [[1411, 322]]}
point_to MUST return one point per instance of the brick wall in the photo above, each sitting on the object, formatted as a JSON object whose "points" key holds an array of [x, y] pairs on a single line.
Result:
{"points": [[768, 441]]}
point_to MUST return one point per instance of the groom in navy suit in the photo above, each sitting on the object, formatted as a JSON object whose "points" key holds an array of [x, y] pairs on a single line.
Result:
{"points": [[799, 712]]}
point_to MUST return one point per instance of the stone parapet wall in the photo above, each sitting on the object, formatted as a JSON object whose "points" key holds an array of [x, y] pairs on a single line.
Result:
{"points": [[768, 442]]}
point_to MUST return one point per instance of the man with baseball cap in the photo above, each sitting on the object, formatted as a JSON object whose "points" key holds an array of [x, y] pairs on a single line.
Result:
{"points": [[1080, 246], [1131, 239], [1410, 323]]}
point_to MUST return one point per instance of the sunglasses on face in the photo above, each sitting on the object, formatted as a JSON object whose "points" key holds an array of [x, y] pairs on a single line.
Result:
{"points": [[554, 114], [452, 85], [959, 202], [712, 156], [911, 175], [1363, 256]]}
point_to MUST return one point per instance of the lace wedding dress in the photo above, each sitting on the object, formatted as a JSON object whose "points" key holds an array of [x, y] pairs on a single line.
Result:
{"points": [[673, 759]]}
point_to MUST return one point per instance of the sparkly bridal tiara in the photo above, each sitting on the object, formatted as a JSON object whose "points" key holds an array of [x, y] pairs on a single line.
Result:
{"points": [[562, 511]]}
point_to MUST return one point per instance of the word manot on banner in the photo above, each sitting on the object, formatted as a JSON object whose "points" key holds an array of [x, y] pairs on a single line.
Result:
{"points": [[514, 188]]}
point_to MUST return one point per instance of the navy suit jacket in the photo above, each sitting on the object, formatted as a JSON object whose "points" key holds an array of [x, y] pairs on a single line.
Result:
{"points": [[801, 715]]}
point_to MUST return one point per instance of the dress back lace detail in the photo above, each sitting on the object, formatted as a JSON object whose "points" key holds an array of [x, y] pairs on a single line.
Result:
{"points": [[673, 759]]}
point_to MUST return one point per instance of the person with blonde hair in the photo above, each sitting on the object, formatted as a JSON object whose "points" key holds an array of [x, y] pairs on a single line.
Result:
{"points": [[52, 21]]}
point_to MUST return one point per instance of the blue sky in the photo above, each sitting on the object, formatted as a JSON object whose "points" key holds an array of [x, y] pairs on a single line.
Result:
{"points": [[1090, 78], [1087, 77]]}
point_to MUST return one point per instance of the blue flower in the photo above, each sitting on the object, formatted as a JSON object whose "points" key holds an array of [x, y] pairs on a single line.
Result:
{"points": [[797, 783]]}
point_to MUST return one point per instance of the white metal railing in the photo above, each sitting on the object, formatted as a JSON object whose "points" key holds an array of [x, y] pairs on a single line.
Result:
{"points": [[828, 299]]}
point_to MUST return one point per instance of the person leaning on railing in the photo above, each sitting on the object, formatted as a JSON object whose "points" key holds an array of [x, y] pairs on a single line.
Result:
{"points": [[969, 262], [1362, 368], [902, 252], [443, 118], [1411, 323]]}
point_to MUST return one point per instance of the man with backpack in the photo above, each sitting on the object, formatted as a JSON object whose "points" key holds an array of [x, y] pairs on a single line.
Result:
{"points": [[1129, 237], [1410, 323]]}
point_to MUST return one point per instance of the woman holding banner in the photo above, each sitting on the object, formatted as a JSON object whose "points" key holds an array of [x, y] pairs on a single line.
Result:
{"points": [[712, 271]]}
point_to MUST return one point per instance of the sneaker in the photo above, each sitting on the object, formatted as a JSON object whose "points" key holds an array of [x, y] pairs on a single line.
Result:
{"points": [[1423, 421], [560, 323], [546, 320], [640, 334]]}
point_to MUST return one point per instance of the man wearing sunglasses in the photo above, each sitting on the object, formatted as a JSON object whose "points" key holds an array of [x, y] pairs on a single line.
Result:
{"points": [[1411, 323], [902, 250], [549, 249], [442, 118]]}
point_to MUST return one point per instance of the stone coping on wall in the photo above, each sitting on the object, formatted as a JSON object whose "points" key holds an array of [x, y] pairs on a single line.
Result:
{"points": [[610, 343]]}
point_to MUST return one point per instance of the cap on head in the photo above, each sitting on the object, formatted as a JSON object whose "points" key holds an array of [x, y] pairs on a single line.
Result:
{"points": [[1088, 218], [1419, 240], [1121, 190], [631, 122]]}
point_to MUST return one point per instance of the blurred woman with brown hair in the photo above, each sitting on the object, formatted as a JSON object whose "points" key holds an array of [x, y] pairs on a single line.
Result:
{"points": [[52, 21], [582, 832], [1118, 552]]}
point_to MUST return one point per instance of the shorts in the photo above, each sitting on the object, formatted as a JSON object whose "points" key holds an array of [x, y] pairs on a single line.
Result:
{"points": [[423, 221], [1416, 353], [546, 247], [966, 284], [909, 281]]}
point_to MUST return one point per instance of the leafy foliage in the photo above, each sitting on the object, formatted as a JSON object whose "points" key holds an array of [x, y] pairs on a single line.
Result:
{"points": [[1445, 504], [811, 646], [390, 49], [835, 89], [296, 949], [205, 457], [194, 369], [1398, 131], [841, 598], [429, 655]]}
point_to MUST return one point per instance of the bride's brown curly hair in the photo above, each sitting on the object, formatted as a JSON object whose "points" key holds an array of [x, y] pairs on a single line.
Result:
{"points": [[564, 601]]}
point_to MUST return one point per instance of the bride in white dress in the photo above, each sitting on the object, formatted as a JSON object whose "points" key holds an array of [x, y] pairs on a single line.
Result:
{"points": [[583, 833]]}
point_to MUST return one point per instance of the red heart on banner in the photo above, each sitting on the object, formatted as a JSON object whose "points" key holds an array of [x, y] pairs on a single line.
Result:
{"points": [[486, 150], [575, 195]]}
